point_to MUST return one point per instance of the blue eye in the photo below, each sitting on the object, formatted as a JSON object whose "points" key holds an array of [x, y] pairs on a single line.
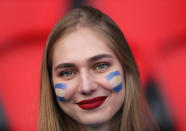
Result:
{"points": [[101, 67], [69, 74]]}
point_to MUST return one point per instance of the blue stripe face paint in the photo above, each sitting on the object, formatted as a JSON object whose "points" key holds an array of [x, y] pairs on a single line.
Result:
{"points": [[61, 98], [112, 74], [60, 91], [115, 80], [118, 88], [60, 86]]}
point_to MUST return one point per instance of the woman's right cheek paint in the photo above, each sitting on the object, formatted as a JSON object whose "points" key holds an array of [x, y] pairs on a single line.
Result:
{"points": [[60, 89]]}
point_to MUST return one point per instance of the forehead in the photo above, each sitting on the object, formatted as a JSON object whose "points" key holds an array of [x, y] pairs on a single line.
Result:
{"points": [[80, 45]]}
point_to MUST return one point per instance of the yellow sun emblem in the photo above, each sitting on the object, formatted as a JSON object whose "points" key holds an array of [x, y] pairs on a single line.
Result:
{"points": [[117, 80]]}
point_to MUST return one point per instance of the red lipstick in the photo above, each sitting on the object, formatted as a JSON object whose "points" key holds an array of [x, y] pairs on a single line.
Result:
{"points": [[92, 103]]}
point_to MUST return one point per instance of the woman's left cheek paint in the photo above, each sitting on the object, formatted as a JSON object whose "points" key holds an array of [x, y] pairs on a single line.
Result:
{"points": [[60, 89], [114, 79]]}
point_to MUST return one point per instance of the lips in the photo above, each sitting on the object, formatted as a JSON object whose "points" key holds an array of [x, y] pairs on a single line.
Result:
{"points": [[92, 103]]}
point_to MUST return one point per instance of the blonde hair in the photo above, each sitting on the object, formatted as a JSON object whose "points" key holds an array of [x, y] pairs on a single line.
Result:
{"points": [[135, 113]]}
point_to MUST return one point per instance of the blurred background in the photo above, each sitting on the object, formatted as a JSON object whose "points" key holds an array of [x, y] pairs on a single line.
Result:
{"points": [[155, 31]]}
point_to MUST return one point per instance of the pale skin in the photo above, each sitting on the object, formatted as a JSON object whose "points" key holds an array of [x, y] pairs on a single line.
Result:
{"points": [[81, 60]]}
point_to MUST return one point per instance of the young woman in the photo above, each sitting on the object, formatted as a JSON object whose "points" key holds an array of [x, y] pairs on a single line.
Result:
{"points": [[89, 78]]}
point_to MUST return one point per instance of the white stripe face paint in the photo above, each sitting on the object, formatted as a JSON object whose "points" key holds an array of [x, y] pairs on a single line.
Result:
{"points": [[115, 80]]}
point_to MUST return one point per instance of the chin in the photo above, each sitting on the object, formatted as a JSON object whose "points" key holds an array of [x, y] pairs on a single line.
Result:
{"points": [[94, 121], [91, 120]]}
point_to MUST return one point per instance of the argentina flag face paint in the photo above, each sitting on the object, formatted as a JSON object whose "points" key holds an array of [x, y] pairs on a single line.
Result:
{"points": [[115, 80], [60, 91]]}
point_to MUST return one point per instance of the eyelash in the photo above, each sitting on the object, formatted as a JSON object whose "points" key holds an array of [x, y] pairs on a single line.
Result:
{"points": [[98, 68], [104, 66], [67, 74]]}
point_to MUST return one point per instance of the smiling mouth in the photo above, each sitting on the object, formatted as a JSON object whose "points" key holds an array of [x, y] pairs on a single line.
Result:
{"points": [[92, 103]]}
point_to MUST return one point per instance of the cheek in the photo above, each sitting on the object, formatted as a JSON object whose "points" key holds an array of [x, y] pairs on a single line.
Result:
{"points": [[114, 81], [63, 91], [116, 84], [60, 90]]}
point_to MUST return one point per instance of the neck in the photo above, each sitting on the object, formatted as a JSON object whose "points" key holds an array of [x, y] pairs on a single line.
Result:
{"points": [[103, 127]]}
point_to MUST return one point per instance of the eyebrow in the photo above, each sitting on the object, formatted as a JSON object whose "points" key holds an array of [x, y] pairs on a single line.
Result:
{"points": [[65, 65], [92, 59], [98, 57]]}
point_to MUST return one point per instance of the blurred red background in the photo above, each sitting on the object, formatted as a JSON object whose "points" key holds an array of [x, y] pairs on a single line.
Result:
{"points": [[155, 31]]}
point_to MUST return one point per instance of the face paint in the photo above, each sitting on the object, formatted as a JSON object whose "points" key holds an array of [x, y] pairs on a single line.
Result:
{"points": [[115, 79], [60, 91]]}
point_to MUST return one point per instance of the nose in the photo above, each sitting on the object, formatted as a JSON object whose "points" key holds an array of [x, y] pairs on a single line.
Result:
{"points": [[87, 83]]}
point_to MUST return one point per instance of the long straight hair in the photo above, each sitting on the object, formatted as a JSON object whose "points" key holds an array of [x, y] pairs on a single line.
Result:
{"points": [[135, 114]]}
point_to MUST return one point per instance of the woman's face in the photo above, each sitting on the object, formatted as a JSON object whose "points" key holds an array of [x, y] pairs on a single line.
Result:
{"points": [[87, 77]]}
